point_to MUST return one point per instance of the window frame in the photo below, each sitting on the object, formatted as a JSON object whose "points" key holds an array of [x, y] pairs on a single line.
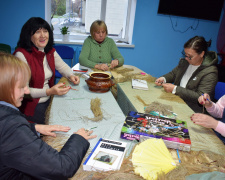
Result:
{"points": [[80, 38]]}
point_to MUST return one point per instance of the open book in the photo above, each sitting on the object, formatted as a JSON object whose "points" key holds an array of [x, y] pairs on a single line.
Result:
{"points": [[139, 84]]}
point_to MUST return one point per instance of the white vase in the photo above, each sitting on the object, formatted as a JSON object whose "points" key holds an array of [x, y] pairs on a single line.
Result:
{"points": [[65, 37]]}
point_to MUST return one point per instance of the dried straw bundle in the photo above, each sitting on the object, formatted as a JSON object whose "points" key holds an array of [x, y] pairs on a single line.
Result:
{"points": [[159, 107], [129, 76], [64, 80], [122, 70], [146, 77], [196, 162], [96, 109]]}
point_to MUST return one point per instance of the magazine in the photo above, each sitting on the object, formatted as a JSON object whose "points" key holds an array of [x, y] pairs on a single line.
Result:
{"points": [[140, 126]]}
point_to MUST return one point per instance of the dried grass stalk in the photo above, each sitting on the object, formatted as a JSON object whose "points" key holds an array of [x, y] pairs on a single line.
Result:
{"points": [[141, 100], [95, 119], [171, 97]]}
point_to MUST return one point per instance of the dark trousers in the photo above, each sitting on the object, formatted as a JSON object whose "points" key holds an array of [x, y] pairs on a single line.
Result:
{"points": [[39, 113]]}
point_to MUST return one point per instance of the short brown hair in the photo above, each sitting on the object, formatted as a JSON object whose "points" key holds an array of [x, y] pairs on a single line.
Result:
{"points": [[96, 25], [11, 69]]}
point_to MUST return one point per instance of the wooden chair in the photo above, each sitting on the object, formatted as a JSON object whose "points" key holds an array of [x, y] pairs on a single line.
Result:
{"points": [[5, 48], [67, 54]]}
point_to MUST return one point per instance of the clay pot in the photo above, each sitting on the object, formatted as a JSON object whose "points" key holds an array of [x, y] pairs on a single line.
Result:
{"points": [[100, 82]]}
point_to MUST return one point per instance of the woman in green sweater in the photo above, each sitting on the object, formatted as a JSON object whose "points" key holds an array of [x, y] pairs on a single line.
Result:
{"points": [[100, 51]]}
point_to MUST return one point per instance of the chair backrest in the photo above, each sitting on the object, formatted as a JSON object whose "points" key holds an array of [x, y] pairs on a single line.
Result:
{"points": [[5, 48], [78, 51], [219, 90], [66, 53]]}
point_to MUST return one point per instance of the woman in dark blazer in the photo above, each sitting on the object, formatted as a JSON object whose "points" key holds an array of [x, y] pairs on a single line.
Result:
{"points": [[195, 74]]}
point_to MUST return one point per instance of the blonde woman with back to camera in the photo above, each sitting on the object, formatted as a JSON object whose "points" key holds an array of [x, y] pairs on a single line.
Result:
{"points": [[23, 153]]}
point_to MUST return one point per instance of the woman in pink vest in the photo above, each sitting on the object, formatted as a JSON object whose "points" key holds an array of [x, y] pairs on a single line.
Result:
{"points": [[35, 47]]}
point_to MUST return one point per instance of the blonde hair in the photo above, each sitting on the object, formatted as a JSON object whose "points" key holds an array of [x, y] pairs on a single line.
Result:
{"points": [[96, 25], [11, 70]]}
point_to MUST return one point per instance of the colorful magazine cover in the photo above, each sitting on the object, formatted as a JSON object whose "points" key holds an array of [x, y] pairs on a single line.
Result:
{"points": [[140, 126]]}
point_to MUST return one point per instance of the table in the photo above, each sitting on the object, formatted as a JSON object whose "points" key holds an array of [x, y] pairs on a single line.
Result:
{"points": [[201, 138], [73, 109]]}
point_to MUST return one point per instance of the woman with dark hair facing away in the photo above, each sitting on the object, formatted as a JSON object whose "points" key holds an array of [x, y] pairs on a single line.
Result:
{"points": [[23, 154], [35, 47], [100, 51], [195, 74]]}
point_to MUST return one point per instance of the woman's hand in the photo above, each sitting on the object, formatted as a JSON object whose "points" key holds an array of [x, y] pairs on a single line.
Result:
{"points": [[85, 133], [114, 63], [159, 81], [103, 67], [205, 100], [58, 89], [168, 87], [204, 120], [74, 79], [47, 129]]}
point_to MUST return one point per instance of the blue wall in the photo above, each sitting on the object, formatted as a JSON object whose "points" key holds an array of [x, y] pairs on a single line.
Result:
{"points": [[157, 45]]}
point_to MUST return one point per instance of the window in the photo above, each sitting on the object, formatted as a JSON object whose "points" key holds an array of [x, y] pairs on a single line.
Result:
{"points": [[78, 15]]}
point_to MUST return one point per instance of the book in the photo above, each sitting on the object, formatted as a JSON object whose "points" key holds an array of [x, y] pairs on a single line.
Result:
{"points": [[139, 84], [80, 69], [141, 126], [107, 155]]}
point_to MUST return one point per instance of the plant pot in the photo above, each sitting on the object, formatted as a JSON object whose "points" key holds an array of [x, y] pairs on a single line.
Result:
{"points": [[100, 82], [65, 37]]}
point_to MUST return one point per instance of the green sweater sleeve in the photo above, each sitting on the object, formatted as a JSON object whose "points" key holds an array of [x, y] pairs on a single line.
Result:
{"points": [[93, 53]]}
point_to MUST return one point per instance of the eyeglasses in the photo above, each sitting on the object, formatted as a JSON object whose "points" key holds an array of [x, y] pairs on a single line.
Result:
{"points": [[189, 57]]}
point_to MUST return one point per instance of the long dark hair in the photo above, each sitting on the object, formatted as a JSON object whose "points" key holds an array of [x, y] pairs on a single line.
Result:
{"points": [[199, 44], [29, 29]]}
